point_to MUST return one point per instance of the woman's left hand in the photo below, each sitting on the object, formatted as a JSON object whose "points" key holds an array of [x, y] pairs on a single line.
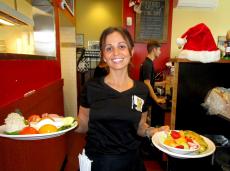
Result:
{"points": [[164, 128], [153, 130]]}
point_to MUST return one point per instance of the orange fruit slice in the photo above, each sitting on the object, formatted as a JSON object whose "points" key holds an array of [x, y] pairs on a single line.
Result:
{"points": [[48, 128]]}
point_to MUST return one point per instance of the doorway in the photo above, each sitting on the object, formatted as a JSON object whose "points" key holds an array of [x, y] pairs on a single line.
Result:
{"points": [[92, 17]]}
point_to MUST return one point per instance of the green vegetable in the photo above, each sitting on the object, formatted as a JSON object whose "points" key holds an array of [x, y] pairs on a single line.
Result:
{"points": [[64, 127], [12, 133], [67, 121], [26, 122], [186, 146]]}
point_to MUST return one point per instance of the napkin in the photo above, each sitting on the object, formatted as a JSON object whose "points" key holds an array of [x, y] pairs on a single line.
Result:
{"points": [[84, 162]]}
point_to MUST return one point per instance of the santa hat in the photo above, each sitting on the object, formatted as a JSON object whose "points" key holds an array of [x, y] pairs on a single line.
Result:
{"points": [[199, 45]]}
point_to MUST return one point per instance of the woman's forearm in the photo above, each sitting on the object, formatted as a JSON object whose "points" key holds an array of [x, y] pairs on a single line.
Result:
{"points": [[142, 129], [82, 119], [82, 127]]}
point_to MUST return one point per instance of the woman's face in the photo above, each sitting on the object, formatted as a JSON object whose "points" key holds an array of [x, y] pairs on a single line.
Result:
{"points": [[116, 52]]}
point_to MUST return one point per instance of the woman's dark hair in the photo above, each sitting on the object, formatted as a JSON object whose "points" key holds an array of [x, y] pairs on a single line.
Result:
{"points": [[124, 33]]}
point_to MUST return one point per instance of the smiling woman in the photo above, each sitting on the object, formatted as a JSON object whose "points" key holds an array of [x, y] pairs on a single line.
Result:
{"points": [[27, 28]]}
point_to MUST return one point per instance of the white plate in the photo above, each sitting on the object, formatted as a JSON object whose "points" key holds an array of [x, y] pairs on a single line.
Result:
{"points": [[35, 136], [211, 148]]}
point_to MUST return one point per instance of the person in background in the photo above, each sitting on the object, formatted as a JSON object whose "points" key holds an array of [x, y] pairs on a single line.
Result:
{"points": [[147, 75], [113, 109], [101, 69]]}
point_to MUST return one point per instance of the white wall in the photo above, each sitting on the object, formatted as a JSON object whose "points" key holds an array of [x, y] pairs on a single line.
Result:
{"points": [[217, 19], [68, 69]]}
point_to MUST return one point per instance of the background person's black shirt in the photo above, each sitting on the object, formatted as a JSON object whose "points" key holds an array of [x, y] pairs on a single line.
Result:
{"points": [[147, 71]]}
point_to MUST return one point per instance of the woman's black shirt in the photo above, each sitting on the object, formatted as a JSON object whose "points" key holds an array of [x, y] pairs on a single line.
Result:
{"points": [[114, 116]]}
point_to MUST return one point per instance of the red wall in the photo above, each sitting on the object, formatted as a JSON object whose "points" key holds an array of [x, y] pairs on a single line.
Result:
{"points": [[140, 48], [20, 76], [50, 152]]}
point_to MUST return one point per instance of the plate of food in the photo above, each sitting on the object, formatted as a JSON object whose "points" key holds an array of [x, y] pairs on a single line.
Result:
{"points": [[36, 127], [183, 144]]}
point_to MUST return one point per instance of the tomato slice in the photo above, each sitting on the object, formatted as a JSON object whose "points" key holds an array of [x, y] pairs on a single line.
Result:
{"points": [[175, 134], [28, 130], [189, 139], [180, 146]]}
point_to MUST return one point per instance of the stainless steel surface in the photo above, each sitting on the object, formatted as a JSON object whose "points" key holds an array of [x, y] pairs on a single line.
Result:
{"points": [[33, 29]]}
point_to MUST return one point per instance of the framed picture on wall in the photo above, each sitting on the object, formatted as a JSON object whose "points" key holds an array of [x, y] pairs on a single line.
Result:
{"points": [[80, 40], [93, 45], [152, 21], [70, 6]]}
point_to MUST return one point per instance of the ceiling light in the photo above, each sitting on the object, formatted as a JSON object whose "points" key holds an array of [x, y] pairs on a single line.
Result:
{"points": [[12, 15], [6, 22]]}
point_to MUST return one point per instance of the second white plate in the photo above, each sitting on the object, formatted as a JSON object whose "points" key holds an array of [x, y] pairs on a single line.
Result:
{"points": [[211, 148], [35, 136]]}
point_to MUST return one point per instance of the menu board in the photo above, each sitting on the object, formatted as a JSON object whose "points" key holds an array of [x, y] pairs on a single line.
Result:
{"points": [[152, 22]]}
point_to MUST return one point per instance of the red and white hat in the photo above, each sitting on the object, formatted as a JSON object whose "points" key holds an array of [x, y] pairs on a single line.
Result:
{"points": [[198, 45]]}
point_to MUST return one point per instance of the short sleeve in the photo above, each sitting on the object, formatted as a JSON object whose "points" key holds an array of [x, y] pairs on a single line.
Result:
{"points": [[147, 103], [143, 91]]}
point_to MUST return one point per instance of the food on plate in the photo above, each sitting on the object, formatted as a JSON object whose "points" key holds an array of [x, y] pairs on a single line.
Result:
{"points": [[43, 121], [28, 130], [14, 123], [68, 120], [67, 123], [178, 139], [34, 118], [52, 115], [187, 140], [199, 139], [60, 122], [47, 128]]}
